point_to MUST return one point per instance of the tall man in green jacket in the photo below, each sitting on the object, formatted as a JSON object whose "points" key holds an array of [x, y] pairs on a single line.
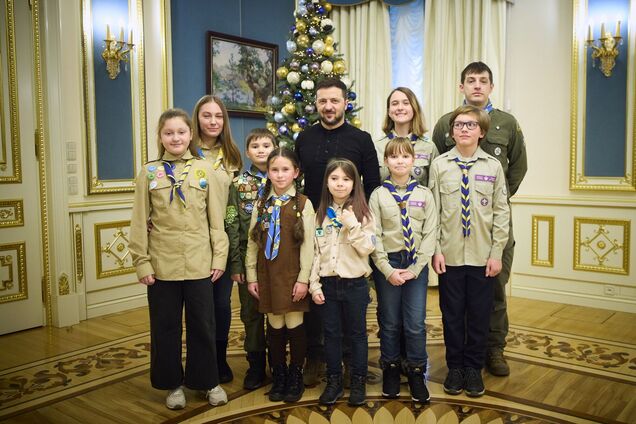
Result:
{"points": [[505, 142]]}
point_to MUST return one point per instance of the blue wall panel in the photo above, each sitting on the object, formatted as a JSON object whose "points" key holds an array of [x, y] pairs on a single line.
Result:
{"points": [[606, 101], [262, 20], [113, 98]]}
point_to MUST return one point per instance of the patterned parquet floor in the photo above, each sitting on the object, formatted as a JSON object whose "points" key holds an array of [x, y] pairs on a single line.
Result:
{"points": [[569, 364]]}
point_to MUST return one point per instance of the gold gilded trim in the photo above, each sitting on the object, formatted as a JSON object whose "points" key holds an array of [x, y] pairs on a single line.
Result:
{"points": [[15, 271], [164, 53], [11, 213], [14, 116], [142, 86], [601, 243], [42, 155], [117, 248], [79, 255], [63, 286], [549, 262], [578, 179]]}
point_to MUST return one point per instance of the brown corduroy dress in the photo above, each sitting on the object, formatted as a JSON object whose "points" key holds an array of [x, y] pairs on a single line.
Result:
{"points": [[276, 278]]}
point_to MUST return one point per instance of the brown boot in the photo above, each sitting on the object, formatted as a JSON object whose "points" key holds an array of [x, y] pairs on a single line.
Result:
{"points": [[496, 363]]}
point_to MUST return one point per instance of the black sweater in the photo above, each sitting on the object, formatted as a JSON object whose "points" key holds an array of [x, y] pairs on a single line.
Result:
{"points": [[316, 145]]}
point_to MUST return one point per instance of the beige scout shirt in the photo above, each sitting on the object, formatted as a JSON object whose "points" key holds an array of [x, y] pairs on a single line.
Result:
{"points": [[306, 248], [489, 210], [425, 152], [390, 238], [342, 252], [184, 243], [210, 155]]}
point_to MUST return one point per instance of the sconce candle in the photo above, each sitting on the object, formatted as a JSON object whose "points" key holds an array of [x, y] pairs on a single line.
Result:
{"points": [[115, 51], [108, 32], [607, 48], [618, 28], [602, 29], [589, 33], [121, 34]]}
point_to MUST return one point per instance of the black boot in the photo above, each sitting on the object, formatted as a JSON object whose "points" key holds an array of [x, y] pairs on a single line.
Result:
{"points": [[333, 390], [225, 372], [255, 374], [279, 381], [295, 386], [391, 379], [417, 385], [358, 391]]}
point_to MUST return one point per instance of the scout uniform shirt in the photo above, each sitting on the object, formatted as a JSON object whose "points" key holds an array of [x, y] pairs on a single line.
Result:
{"points": [[184, 243], [425, 152], [388, 224], [306, 249], [212, 156], [504, 141], [243, 196], [342, 252], [489, 211]]}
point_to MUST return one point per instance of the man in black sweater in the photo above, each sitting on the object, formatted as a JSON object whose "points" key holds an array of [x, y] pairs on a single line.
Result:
{"points": [[331, 138]]}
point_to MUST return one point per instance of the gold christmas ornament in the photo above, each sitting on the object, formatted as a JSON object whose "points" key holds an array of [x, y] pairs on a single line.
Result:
{"points": [[329, 40], [315, 20], [301, 26], [355, 121], [296, 128], [271, 126], [302, 40], [327, 7], [289, 108], [339, 67], [328, 50], [282, 72]]}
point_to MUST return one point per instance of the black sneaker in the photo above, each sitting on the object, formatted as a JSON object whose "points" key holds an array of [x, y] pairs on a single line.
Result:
{"points": [[279, 378], [358, 392], [391, 379], [473, 383], [333, 390], [295, 387], [454, 383], [417, 385]]}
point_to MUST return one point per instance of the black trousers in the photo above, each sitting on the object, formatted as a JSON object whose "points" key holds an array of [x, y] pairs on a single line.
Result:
{"points": [[166, 300], [465, 298]]}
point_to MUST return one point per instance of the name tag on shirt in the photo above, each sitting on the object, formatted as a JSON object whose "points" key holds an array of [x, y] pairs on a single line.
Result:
{"points": [[487, 178], [417, 203], [424, 156]]}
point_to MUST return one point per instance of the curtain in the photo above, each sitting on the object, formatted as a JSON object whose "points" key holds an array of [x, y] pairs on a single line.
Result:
{"points": [[363, 36], [457, 32]]}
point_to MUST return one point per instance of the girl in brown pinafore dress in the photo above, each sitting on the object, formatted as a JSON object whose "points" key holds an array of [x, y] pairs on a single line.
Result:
{"points": [[278, 263]]}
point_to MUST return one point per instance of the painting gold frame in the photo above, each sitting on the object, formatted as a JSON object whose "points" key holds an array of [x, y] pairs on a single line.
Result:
{"points": [[108, 248], [20, 265], [549, 262], [578, 179]]}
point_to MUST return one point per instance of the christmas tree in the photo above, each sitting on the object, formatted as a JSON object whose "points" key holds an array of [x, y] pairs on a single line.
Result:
{"points": [[312, 58]]}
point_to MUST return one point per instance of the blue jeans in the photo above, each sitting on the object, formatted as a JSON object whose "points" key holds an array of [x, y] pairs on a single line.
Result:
{"points": [[402, 307], [346, 300]]}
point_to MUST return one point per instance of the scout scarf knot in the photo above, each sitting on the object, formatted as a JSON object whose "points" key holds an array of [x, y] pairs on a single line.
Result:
{"points": [[331, 214], [176, 184], [273, 233], [465, 191], [407, 232]]}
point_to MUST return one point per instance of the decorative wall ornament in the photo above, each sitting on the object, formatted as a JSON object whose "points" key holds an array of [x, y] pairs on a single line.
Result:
{"points": [[606, 49], [116, 51], [10, 159], [11, 213], [79, 255], [543, 258], [63, 287], [601, 245], [13, 280], [111, 249]]}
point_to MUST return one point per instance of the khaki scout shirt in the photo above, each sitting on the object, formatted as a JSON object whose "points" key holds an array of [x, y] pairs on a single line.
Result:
{"points": [[425, 152], [342, 252], [241, 201], [184, 243], [489, 211], [388, 228], [306, 248], [504, 141], [210, 155]]}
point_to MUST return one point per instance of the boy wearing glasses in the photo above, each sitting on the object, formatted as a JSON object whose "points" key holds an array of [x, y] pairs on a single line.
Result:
{"points": [[469, 189], [505, 142]]}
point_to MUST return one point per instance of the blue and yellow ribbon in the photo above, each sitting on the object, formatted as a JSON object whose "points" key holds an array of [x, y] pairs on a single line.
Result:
{"points": [[465, 191], [331, 214], [273, 233], [176, 184]]}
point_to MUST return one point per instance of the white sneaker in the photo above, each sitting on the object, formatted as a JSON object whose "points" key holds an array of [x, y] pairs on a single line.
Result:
{"points": [[176, 399], [216, 396]]}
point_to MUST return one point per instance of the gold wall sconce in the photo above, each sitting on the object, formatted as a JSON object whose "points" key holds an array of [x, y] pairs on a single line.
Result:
{"points": [[116, 51], [606, 49]]}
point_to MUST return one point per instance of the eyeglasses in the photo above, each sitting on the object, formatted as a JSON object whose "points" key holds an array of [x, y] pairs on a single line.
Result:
{"points": [[471, 125]]}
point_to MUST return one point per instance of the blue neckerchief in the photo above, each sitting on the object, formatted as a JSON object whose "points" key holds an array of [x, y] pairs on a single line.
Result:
{"points": [[273, 233], [407, 232], [331, 214], [488, 108], [412, 137]]}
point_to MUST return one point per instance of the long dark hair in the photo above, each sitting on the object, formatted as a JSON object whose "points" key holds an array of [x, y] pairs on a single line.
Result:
{"points": [[257, 232], [356, 198]]}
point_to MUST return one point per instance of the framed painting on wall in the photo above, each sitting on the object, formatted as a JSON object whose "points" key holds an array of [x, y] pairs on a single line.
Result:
{"points": [[241, 72]]}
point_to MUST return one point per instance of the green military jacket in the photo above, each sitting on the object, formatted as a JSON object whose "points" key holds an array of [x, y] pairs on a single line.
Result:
{"points": [[503, 141], [242, 198]]}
